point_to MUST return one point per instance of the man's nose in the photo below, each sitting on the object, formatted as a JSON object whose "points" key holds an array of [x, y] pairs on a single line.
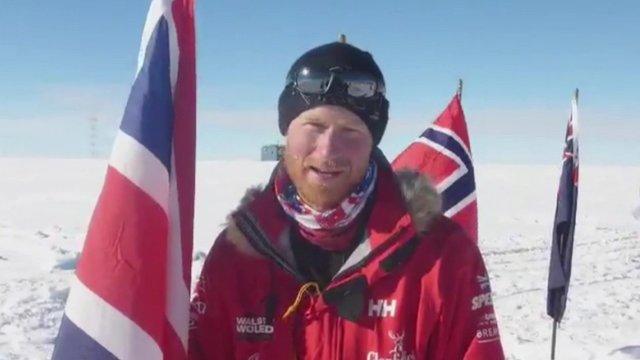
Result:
{"points": [[329, 143]]}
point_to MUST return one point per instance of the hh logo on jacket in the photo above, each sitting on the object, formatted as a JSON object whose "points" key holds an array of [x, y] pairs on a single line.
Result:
{"points": [[382, 308]]}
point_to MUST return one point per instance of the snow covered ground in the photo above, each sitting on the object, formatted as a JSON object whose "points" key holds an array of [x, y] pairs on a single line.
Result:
{"points": [[45, 205]]}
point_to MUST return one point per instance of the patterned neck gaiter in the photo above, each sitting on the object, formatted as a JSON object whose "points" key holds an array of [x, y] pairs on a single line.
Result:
{"points": [[332, 229]]}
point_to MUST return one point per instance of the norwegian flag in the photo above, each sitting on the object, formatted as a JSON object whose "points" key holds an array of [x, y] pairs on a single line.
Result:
{"points": [[443, 153], [564, 221], [130, 296]]}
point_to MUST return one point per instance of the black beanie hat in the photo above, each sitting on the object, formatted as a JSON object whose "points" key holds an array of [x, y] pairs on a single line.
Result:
{"points": [[374, 112]]}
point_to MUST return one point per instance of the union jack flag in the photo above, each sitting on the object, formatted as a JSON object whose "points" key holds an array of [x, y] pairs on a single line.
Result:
{"points": [[129, 298], [443, 153], [564, 221]]}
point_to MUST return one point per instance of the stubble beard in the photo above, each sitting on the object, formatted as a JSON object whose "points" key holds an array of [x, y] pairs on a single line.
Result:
{"points": [[322, 196]]}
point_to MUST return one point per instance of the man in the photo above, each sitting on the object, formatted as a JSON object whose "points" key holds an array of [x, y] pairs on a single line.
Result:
{"points": [[338, 257]]}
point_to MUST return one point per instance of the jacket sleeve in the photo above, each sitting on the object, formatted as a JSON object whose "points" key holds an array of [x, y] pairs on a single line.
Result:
{"points": [[209, 324], [468, 325]]}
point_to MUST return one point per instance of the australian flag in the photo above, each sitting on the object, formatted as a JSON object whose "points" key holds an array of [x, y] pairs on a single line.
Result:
{"points": [[129, 298], [443, 154], [564, 222]]}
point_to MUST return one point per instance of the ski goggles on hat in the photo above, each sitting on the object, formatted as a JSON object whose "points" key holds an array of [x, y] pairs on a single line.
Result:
{"points": [[356, 84]]}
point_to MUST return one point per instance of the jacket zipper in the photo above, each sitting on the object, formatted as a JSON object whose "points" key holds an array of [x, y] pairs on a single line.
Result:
{"points": [[351, 269]]}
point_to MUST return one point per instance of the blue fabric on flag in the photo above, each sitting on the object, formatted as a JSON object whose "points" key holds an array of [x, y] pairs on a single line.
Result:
{"points": [[149, 114], [77, 344], [460, 189], [563, 230]]}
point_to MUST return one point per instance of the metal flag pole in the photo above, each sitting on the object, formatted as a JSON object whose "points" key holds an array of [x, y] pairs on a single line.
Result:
{"points": [[553, 340], [459, 91]]}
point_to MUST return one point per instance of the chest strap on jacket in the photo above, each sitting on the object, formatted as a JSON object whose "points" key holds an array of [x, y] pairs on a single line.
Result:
{"points": [[303, 290]]}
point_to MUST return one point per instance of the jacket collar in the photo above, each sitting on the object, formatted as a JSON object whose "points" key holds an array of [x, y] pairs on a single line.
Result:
{"points": [[405, 204]]}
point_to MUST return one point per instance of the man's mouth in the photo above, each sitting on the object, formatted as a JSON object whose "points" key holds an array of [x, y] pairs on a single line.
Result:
{"points": [[325, 173]]}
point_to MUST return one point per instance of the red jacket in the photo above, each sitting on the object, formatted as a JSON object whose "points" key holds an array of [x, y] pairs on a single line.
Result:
{"points": [[415, 288]]}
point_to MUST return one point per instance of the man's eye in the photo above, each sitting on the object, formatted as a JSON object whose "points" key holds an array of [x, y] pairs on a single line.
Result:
{"points": [[352, 131], [316, 125]]}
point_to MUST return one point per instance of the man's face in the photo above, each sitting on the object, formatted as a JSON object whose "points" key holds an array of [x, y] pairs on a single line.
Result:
{"points": [[327, 154]]}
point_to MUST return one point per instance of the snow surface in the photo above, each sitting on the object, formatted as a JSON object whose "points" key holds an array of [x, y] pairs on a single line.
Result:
{"points": [[45, 205]]}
